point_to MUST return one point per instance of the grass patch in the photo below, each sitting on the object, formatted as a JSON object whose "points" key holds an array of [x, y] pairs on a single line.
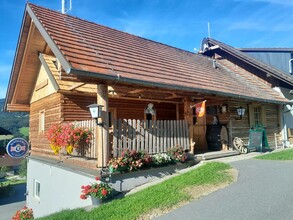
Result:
{"points": [[162, 196], [281, 155]]}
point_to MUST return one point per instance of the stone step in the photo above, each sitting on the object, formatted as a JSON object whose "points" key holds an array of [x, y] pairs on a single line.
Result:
{"points": [[215, 154]]}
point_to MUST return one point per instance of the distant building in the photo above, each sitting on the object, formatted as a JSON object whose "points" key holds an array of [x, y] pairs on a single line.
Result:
{"points": [[279, 58]]}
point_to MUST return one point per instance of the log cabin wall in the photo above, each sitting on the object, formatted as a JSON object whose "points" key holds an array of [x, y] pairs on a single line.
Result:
{"points": [[74, 108], [240, 127], [51, 106], [134, 109]]}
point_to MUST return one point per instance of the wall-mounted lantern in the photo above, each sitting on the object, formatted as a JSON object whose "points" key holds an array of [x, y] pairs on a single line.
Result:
{"points": [[96, 112], [240, 112]]}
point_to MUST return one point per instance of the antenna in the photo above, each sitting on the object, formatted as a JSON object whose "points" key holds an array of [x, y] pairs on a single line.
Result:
{"points": [[64, 10], [209, 30]]}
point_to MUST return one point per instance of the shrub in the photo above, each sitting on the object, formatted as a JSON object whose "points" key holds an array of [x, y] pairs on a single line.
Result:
{"points": [[23, 168]]}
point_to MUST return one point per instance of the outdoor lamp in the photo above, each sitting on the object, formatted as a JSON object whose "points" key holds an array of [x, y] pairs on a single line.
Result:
{"points": [[240, 111], [96, 112]]}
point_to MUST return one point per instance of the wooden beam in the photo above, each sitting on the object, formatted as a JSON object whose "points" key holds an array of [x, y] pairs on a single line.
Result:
{"points": [[41, 85], [149, 100], [136, 91], [18, 108], [75, 86]]}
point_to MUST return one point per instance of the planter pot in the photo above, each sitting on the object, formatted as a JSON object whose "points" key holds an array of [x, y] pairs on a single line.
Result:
{"points": [[95, 201]]}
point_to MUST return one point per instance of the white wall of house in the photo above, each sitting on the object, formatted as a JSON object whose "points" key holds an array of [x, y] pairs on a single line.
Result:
{"points": [[287, 112], [60, 188]]}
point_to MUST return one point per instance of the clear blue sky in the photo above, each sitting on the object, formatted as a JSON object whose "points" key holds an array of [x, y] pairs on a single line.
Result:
{"points": [[180, 23]]}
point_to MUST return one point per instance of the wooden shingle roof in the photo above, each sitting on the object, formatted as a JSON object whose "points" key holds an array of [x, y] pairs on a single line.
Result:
{"points": [[91, 50]]}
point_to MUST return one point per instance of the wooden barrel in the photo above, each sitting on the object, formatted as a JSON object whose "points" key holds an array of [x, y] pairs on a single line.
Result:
{"points": [[213, 137]]}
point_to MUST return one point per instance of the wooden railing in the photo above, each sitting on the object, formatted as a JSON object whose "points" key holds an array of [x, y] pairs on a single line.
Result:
{"points": [[87, 150], [150, 136]]}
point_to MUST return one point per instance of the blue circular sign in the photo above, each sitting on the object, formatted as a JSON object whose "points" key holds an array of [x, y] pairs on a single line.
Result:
{"points": [[17, 148]]}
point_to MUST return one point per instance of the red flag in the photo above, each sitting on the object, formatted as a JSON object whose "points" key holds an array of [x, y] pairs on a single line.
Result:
{"points": [[200, 109]]}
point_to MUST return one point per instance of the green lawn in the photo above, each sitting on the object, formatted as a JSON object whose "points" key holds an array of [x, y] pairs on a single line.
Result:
{"points": [[281, 155], [163, 195]]}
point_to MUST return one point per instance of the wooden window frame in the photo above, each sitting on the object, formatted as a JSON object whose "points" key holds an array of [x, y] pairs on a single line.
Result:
{"points": [[42, 121], [37, 189], [262, 114]]}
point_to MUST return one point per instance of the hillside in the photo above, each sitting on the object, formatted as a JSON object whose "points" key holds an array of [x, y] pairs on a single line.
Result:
{"points": [[13, 121]]}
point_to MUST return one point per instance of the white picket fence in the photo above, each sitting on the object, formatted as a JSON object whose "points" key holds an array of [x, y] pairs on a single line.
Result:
{"points": [[150, 136]]}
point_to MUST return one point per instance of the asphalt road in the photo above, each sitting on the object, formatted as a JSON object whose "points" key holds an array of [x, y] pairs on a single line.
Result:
{"points": [[264, 190], [9, 205]]}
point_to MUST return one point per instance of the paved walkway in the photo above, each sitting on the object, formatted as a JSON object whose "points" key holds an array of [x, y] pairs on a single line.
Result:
{"points": [[263, 191], [9, 205]]}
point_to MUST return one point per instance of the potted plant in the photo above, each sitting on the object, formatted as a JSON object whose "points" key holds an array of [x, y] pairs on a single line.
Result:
{"points": [[98, 191], [23, 214], [67, 136]]}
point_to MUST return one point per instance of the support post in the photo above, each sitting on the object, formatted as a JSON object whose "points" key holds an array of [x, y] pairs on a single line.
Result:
{"points": [[102, 140], [188, 117]]}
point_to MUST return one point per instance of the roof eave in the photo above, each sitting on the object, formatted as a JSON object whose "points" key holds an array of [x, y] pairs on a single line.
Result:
{"points": [[8, 96], [57, 52], [101, 76]]}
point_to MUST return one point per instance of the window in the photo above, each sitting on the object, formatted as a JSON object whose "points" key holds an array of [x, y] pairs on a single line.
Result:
{"points": [[257, 115], [42, 121], [37, 189]]}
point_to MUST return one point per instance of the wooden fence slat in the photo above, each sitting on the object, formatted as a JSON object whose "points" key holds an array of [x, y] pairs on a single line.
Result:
{"points": [[150, 137], [146, 136], [161, 125], [120, 146], [129, 134], [142, 135], [181, 132], [124, 133], [134, 134], [168, 136], [171, 134], [115, 139], [138, 138], [186, 135], [165, 135], [154, 131]]}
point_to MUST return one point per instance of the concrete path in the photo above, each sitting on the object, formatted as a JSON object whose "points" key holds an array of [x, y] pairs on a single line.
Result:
{"points": [[264, 190], [9, 205]]}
